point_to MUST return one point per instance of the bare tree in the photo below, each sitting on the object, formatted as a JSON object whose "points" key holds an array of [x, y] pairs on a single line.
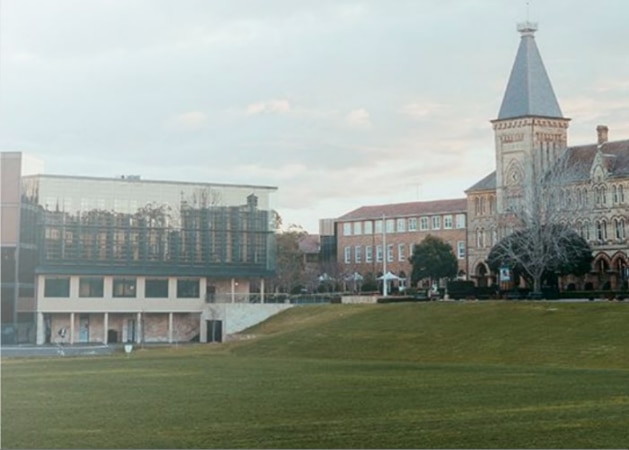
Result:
{"points": [[534, 210]]}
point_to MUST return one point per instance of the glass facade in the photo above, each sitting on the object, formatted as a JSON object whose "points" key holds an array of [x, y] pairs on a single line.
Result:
{"points": [[132, 226]]}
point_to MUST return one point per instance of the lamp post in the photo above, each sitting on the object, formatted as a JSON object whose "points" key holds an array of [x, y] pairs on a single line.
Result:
{"points": [[384, 257]]}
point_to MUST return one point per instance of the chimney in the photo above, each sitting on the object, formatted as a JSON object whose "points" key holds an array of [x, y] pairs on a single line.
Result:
{"points": [[602, 130]]}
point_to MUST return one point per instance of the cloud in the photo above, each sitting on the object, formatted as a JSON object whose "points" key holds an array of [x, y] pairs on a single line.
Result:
{"points": [[188, 121], [358, 118], [280, 106], [421, 110]]}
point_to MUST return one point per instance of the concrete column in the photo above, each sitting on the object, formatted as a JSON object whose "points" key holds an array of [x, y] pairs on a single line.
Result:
{"points": [[203, 330], [41, 329], [105, 327], [233, 290], [71, 328], [170, 328], [261, 290], [138, 328]]}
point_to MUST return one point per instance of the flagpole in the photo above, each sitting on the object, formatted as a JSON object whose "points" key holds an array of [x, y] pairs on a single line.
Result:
{"points": [[384, 257]]}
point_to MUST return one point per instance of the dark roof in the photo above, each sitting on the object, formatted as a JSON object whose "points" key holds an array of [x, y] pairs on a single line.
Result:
{"points": [[458, 205], [487, 183], [529, 92], [615, 155]]}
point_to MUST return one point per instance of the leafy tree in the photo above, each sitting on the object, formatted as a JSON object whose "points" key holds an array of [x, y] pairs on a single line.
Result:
{"points": [[432, 258], [541, 253], [290, 265]]}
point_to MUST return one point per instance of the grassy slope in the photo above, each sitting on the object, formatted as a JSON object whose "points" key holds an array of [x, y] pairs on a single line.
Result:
{"points": [[440, 375], [587, 335]]}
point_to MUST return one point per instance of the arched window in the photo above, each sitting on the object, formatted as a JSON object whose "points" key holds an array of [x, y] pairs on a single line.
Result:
{"points": [[601, 230], [615, 194], [477, 206], [619, 229], [480, 237], [585, 197], [621, 194], [585, 230], [603, 195]]}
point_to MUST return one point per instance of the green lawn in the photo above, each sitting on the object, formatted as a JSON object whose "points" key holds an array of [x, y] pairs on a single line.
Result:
{"points": [[435, 375]]}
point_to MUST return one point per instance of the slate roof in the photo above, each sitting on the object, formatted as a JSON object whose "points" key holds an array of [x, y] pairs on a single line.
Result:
{"points": [[487, 183], [529, 92], [581, 157], [615, 154], [458, 205]]}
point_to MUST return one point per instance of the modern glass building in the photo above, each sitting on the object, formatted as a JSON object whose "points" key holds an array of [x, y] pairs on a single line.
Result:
{"points": [[125, 259]]}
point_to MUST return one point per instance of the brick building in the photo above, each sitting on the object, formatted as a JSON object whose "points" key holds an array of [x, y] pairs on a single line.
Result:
{"points": [[367, 234], [531, 137]]}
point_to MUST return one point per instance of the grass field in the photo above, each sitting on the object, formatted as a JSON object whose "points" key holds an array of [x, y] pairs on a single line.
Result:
{"points": [[433, 375]]}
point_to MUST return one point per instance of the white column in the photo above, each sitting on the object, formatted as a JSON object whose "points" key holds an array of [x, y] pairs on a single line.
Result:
{"points": [[138, 328], [105, 327], [233, 290], [41, 329], [262, 290], [170, 328], [71, 328]]}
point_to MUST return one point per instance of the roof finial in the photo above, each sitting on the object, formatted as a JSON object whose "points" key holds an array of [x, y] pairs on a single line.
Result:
{"points": [[527, 28]]}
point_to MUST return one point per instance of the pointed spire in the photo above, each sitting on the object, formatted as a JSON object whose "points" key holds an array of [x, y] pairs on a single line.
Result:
{"points": [[529, 92]]}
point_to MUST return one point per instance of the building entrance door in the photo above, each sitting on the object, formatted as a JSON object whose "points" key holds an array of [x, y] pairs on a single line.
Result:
{"points": [[214, 330], [130, 331], [84, 328]]}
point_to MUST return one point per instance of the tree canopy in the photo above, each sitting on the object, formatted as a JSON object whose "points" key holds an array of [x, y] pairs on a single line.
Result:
{"points": [[433, 258], [539, 252]]}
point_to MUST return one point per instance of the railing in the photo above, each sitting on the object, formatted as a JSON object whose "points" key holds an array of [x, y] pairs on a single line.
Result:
{"points": [[268, 298]]}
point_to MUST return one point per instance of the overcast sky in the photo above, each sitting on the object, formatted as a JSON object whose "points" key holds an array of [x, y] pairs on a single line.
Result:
{"points": [[339, 103]]}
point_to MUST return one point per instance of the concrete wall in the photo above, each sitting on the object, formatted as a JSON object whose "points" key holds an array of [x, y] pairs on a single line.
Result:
{"points": [[239, 316], [359, 299]]}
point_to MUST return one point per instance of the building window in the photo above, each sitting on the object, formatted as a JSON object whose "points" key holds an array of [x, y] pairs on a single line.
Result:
{"points": [[585, 230], [460, 249], [480, 238], [358, 228], [423, 223], [411, 250], [368, 253], [401, 225], [601, 230], [492, 205], [412, 224], [188, 288], [57, 287], [604, 195], [358, 254], [460, 221], [347, 229], [447, 222], [621, 194], [619, 226], [378, 253], [401, 252], [389, 252], [156, 288], [436, 222], [91, 287], [390, 224], [368, 227], [378, 226], [124, 287], [347, 255]]}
